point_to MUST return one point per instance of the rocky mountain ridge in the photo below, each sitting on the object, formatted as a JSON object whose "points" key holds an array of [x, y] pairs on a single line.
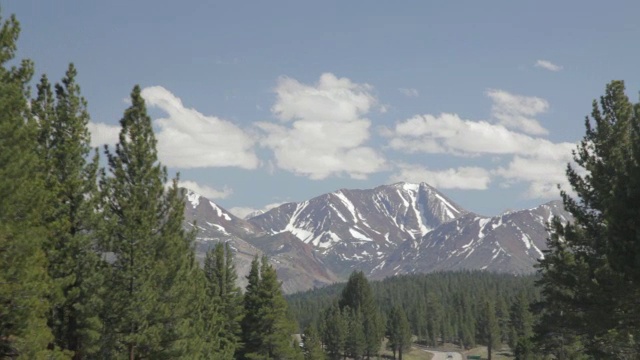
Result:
{"points": [[391, 229]]}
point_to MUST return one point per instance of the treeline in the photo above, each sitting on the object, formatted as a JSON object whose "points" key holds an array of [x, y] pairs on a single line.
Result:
{"points": [[94, 262], [465, 308]]}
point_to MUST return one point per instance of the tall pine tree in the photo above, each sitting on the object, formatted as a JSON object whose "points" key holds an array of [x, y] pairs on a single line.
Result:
{"points": [[74, 265], [224, 300], [152, 281], [24, 282], [590, 273], [266, 326], [398, 332], [488, 327], [358, 296]]}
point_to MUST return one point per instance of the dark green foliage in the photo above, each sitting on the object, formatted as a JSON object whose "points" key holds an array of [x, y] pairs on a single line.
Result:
{"points": [[488, 327], [355, 342], [312, 346], [24, 282], [398, 331], [74, 265], [266, 328], [521, 327], [590, 274], [224, 301], [334, 332], [451, 303], [151, 296], [358, 296]]}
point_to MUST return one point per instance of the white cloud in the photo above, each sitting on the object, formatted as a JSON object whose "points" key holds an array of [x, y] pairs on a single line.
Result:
{"points": [[548, 65], [206, 191], [327, 130], [409, 92], [189, 139], [448, 133], [516, 112], [542, 173], [470, 178], [102, 134], [536, 161], [242, 212]]}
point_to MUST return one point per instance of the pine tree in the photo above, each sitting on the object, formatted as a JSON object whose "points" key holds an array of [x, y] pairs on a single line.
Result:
{"points": [[521, 324], [590, 273], [488, 328], [24, 283], [74, 265], [398, 331], [355, 342], [266, 327], [335, 331], [312, 347], [152, 282], [224, 300], [358, 295]]}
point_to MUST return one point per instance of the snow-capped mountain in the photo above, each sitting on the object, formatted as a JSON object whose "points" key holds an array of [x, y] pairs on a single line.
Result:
{"points": [[359, 228], [511, 242], [391, 229], [297, 266]]}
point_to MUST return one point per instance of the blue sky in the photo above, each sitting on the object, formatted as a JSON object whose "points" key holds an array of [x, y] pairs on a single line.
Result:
{"points": [[259, 103]]}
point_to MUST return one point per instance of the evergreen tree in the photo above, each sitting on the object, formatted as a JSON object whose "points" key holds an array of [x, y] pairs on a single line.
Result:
{"points": [[590, 273], [266, 327], [74, 265], [251, 338], [151, 284], [224, 300], [312, 347], [355, 342], [521, 324], [398, 331], [488, 328], [335, 331], [358, 295], [24, 282]]}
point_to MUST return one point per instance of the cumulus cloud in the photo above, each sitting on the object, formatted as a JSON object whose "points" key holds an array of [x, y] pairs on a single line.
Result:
{"points": [[543, 174], [469, 178], [533, 160], [323, 128], [189, 139], [103, 134], [448, 133], [548, 65], [242, 212], [409, 92], [516, 112], [204, 190]]}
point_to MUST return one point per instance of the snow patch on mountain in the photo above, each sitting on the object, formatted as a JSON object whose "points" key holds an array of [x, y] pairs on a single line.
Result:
{"points": [[219, 211]]}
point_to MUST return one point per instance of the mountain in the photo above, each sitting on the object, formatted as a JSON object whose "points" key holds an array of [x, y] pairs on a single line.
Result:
{"points": [[359, 228], [511, 242], [391, 229], [297, 265]]}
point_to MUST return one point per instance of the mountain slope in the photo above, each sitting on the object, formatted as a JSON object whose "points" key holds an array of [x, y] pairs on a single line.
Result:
{"points": [[511, 242], [297, 265], [359, 228]]}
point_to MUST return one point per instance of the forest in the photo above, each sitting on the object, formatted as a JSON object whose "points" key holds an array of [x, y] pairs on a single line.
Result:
{"points": [[95, 262]]}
